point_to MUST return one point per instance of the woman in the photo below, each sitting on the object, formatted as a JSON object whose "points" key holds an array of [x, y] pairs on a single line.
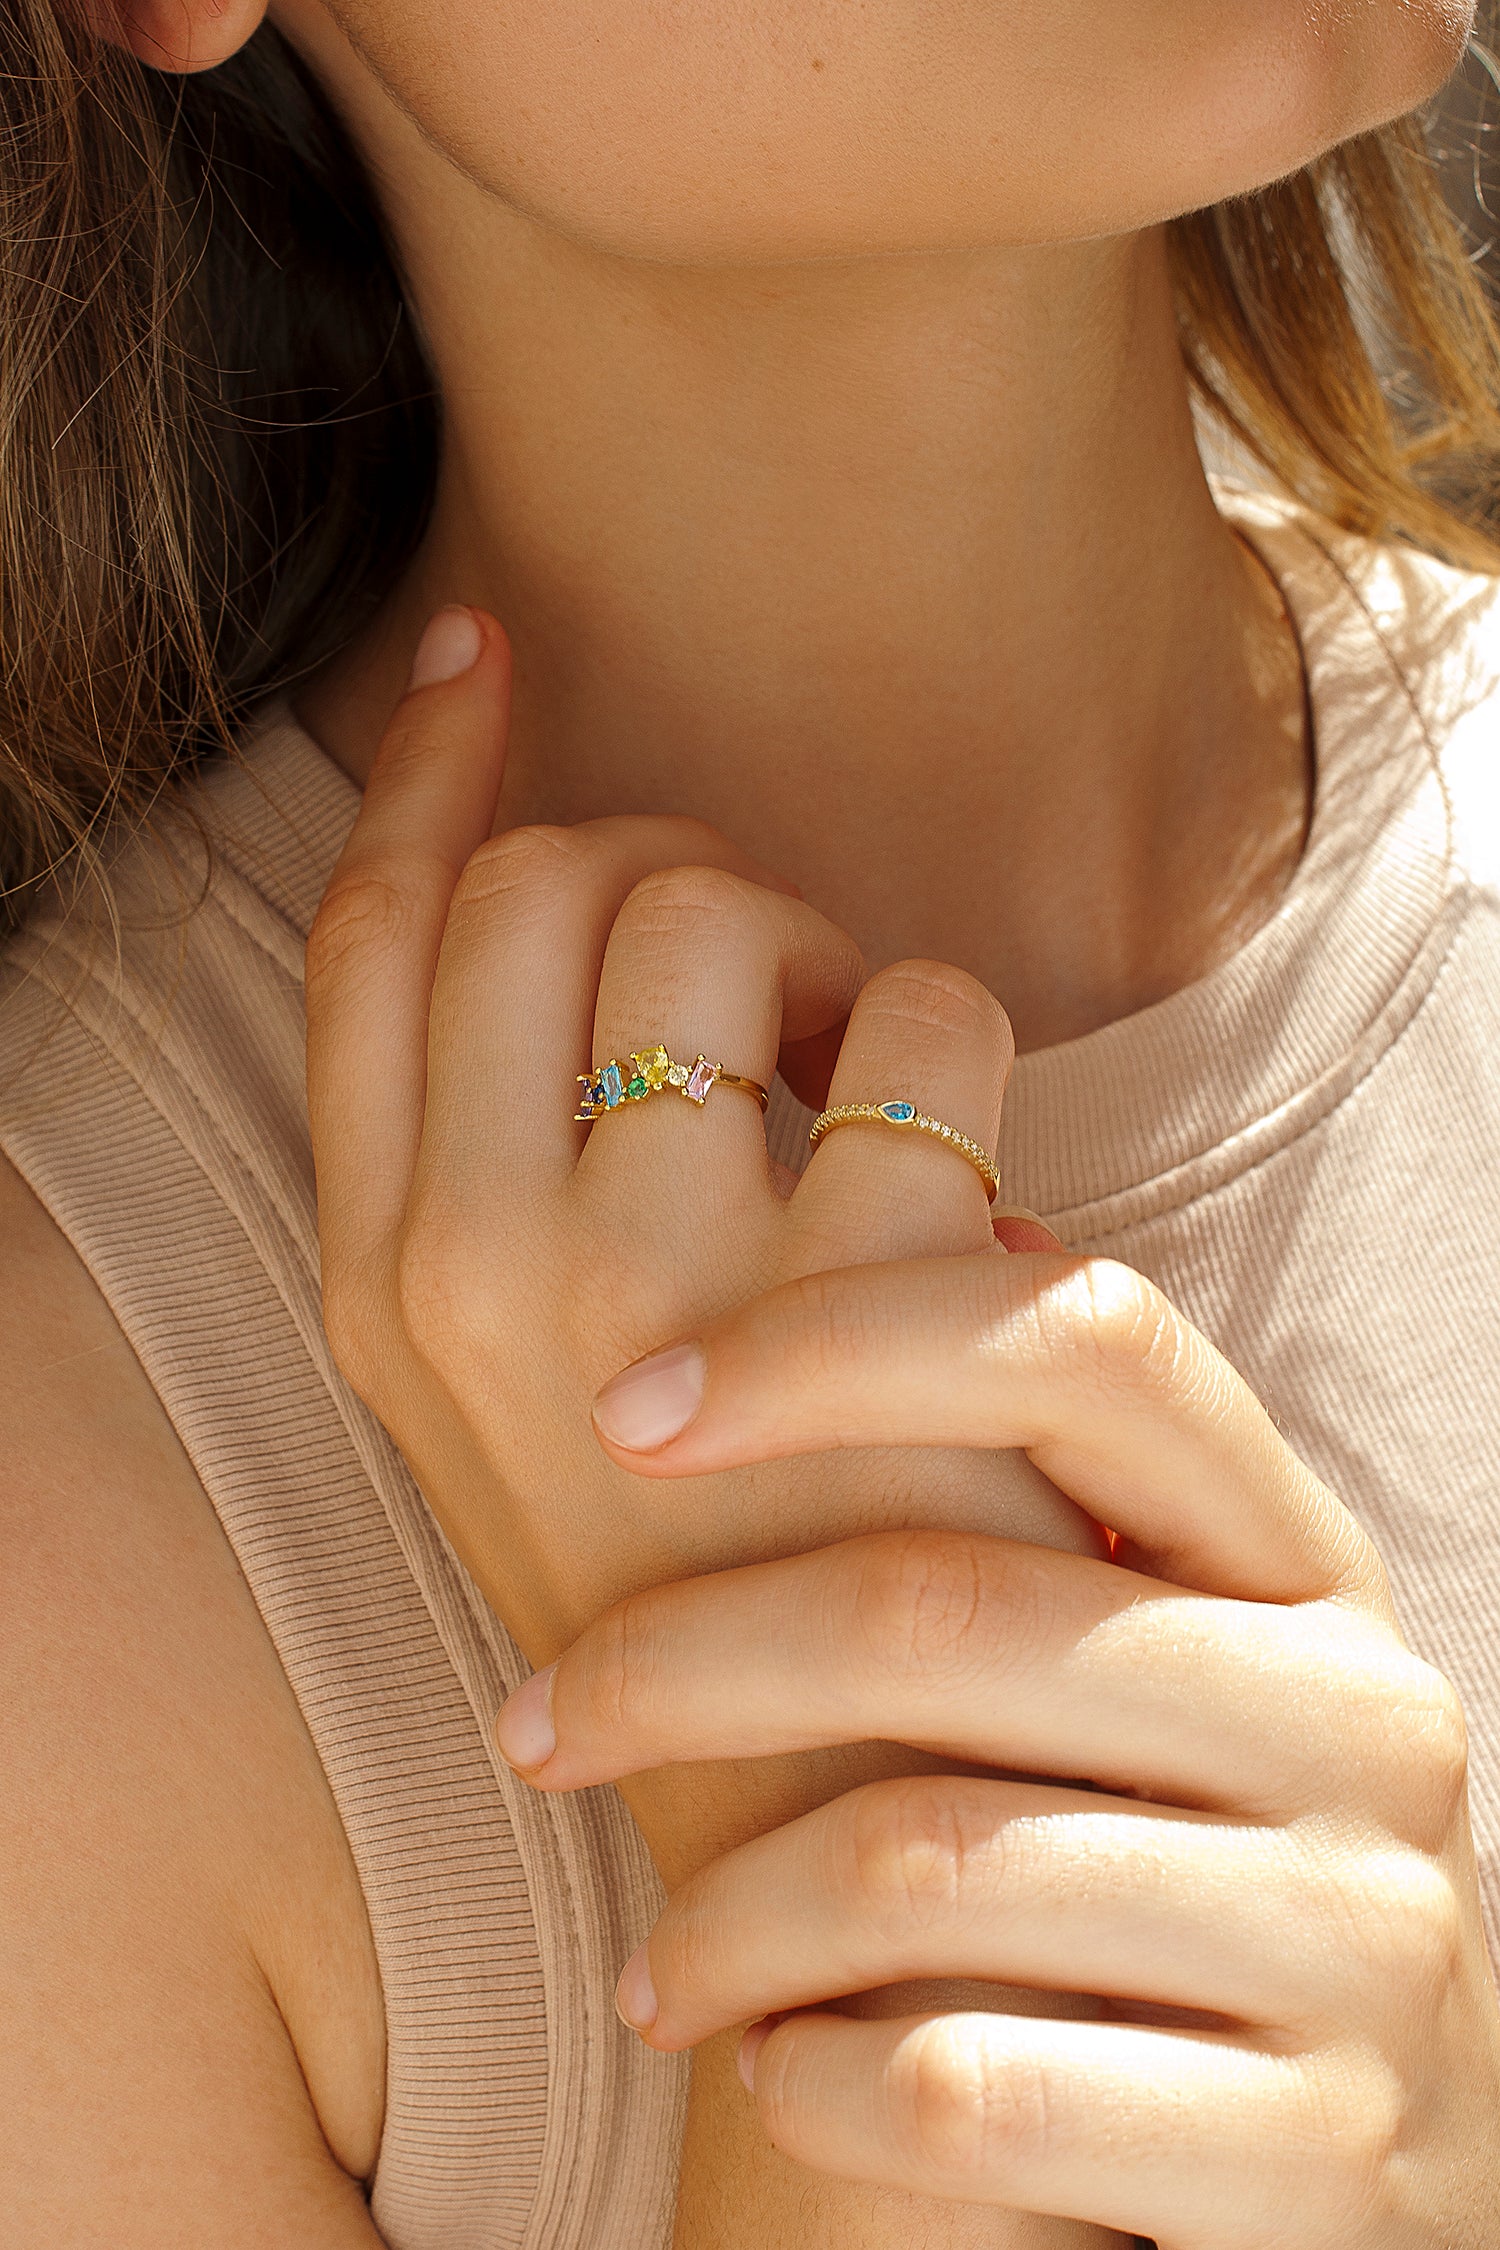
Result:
{"points": [[816, 414]]}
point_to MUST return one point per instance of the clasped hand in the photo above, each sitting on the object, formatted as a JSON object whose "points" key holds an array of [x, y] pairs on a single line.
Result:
{"points": [[772, 1465]]}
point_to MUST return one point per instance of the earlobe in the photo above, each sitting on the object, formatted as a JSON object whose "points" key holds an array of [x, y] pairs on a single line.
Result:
{"points": [[178, 35]]}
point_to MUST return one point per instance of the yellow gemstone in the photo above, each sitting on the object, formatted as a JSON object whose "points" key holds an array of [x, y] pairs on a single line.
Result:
{"points": [[653, 1066]]}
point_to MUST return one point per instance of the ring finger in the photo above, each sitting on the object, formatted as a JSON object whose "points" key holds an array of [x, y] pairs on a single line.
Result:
{"points": [[927, 1039]]}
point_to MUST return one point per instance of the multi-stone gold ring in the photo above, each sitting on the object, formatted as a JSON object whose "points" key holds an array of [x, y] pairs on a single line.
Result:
{"points": [[907, 1118], [653, 1071]]}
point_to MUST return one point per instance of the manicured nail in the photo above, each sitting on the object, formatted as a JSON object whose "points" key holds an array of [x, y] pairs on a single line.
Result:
{"points": [[524, 1729], [635, 1995], [451, 643], [750, 2046], [654, 1401]]}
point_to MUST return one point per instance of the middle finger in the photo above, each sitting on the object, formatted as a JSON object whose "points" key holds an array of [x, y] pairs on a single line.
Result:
{"points": [[978, 1649], [513, 996], [701, 964]]}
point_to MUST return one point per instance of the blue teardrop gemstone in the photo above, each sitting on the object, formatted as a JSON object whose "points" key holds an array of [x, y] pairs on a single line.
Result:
{"points": [[899, 1113]]}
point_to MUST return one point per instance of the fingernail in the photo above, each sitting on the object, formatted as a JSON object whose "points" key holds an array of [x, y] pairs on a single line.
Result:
{"points": [[636, 2004], [451, 643], [1016, 1228], [750, 2046], [654, 1401], [524, 1729]]}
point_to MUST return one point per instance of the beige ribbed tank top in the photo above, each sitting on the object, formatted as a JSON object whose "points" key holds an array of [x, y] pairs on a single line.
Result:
{"points": [[160, 1116], [1303, 1149]]}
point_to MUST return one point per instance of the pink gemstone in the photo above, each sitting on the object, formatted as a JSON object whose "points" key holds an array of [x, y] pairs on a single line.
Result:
{"points": [[698, 1084]]}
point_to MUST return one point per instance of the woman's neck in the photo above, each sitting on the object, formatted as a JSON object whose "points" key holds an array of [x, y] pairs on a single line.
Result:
{"points": [[904, 573]]}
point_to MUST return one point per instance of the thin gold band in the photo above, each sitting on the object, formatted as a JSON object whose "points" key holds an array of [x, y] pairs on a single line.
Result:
{"points": [[907, 1118], [652, 1071]]}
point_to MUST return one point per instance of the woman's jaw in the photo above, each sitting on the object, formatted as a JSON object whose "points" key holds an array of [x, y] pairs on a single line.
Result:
{"points": [[762, 131]]}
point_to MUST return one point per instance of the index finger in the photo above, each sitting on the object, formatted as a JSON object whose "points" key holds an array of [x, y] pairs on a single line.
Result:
{"points": [[372, 951], [1079, 1362]]}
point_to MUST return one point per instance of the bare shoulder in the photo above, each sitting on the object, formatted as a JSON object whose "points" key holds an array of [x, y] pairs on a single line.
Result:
{"points": [[192, 2046]]}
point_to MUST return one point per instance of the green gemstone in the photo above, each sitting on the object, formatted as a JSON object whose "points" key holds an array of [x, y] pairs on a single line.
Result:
{"points": [[636, 1088]]}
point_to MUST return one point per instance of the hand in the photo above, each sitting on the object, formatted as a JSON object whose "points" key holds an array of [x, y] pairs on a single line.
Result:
{"points": [[1262, 1864], [488, 1262]]}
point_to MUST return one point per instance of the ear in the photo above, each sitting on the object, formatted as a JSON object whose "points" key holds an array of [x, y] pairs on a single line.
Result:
{"points": [[178, 35]]}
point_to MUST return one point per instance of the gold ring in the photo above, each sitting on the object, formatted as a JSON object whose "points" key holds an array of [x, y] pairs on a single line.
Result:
{"points": [[652, 1071], [907, 1118]]}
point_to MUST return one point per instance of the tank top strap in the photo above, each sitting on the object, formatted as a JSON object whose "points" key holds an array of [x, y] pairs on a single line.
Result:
{"points": [[151, 1093]]}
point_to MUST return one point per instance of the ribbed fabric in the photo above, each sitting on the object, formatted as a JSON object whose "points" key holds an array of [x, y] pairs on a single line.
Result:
{"points": [[1302, 1149], [160, 1116]]}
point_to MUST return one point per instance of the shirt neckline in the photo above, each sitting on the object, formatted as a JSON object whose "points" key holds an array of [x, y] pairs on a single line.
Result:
{"points": [[1153, 1109], [1148, 1112]]}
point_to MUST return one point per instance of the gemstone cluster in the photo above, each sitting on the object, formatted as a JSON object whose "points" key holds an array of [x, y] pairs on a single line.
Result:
{"points": [[652, 1071]]}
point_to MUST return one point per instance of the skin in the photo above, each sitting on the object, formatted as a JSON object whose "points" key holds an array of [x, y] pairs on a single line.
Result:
{"points": [[1263, 1766], [815, 424]]}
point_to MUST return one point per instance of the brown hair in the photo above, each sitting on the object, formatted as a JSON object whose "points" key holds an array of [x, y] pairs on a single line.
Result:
{"points": [[218, 437]]}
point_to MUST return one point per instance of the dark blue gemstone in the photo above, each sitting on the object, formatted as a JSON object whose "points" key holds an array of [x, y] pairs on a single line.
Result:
{"points": [[899, 1113]]}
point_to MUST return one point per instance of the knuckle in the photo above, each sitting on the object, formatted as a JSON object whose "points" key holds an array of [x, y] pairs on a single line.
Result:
{"points": [[908, 1850], [1427, 1747], [923, 1606], [692, 1947], [522, 861], [1353, 2116], [441, 1293], [626, 1666], [1428, 1919], [363, 918], [693, 840], [1395, 1917], [1436, 1714], [832, 1320], [968, 2108], [933, 996], [687, 904], [1107, 1327]]}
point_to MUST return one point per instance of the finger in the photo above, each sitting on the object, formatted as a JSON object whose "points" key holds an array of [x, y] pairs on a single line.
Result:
{"points": [[430, 801], [1115, 1396], [700, 962], [1020, 1230], [942, 1876], [1158, 2133], [998, 1653], [514, 991], [927, 1038]]}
